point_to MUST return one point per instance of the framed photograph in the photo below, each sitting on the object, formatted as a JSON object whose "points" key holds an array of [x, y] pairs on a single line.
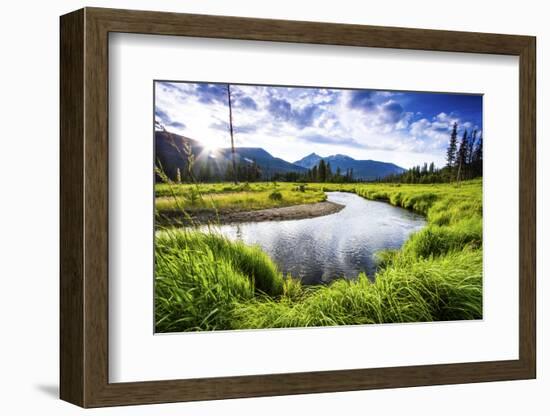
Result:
{"points": [[255, 207]]}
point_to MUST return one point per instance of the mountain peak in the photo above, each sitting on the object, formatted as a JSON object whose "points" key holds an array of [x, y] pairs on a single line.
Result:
{"points": [[339, 156], [308, 161]]}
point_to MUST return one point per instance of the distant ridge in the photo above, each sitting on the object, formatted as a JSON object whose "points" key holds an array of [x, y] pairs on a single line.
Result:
{"points": [[362, 169], [170, 153]]}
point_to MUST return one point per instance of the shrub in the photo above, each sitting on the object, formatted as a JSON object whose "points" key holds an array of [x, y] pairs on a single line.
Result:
{"points": [[245, 187], [276, 196]]}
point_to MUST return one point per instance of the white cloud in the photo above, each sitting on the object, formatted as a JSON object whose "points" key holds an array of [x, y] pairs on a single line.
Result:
{"points": [[292, 122]]}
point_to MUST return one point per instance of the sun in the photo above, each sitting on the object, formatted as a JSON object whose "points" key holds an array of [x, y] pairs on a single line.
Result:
{"points": [[210, 149]]}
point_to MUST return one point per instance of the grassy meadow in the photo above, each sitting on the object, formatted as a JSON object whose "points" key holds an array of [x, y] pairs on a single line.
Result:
{"points": [[173, 199], [206, 282]]}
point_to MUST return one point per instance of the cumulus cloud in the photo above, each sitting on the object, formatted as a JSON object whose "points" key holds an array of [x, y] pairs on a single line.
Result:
{"points": [[399, 127], [392, 111], [317, 138], [246, 102], [362, 99], [280, 109], [164, 119]]}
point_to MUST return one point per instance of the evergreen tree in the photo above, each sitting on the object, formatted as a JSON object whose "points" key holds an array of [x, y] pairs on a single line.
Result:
{"points": [[348, 175], [471, 146], [314, 174], [229, 175], [204, 172], [424, 171], [461, 156], [322, 171], [477, 158], [451, 150], [329, 173], [338, 176]]}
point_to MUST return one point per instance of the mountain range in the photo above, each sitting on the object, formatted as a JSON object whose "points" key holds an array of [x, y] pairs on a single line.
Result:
{"points": [[362, 169], [172, 150]]}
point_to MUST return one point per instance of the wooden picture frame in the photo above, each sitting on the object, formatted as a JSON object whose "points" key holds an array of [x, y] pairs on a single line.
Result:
{"points": [[84, 207]]}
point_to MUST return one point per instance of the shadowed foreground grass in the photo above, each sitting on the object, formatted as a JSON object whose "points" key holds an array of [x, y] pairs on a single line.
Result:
{"points": [[206, 282]]}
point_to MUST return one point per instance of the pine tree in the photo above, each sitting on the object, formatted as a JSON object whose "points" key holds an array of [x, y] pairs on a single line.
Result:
{"points": [[329, 172], [477, 159], [471, 145], [348, 175], [229, 174], [204, 172], [314, 174], [461, 156], [322, 171], [451, 150]]}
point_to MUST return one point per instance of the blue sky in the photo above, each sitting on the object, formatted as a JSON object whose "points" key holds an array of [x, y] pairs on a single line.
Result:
{"points": [[406, 128]]}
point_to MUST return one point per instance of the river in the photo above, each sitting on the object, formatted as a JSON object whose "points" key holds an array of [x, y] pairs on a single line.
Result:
{"points": [[318, 250]]}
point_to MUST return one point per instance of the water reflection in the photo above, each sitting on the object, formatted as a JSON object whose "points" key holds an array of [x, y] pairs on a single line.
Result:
{"points": [[317, 250]]}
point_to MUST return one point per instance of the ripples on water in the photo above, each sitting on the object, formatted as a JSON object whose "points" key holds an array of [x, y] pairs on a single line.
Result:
{"points": [[318, 250]]}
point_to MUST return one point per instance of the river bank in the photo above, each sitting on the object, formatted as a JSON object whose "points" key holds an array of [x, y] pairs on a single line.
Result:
{"points": [[293, 212]]}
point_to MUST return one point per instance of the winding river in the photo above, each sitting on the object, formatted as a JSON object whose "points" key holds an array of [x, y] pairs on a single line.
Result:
{"points": [[318, 250]]}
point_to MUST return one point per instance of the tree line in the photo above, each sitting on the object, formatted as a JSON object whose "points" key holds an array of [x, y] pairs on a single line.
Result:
{"points": [[464, 161], [252, 172], [321, 172], [205, 171]]}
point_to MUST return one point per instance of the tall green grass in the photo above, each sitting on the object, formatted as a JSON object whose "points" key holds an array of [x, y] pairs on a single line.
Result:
{"points": [[439, 289], [199, 277], [206, 282]]}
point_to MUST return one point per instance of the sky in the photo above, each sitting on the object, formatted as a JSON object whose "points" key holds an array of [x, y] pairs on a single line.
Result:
{"points": [[405, 128]]}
